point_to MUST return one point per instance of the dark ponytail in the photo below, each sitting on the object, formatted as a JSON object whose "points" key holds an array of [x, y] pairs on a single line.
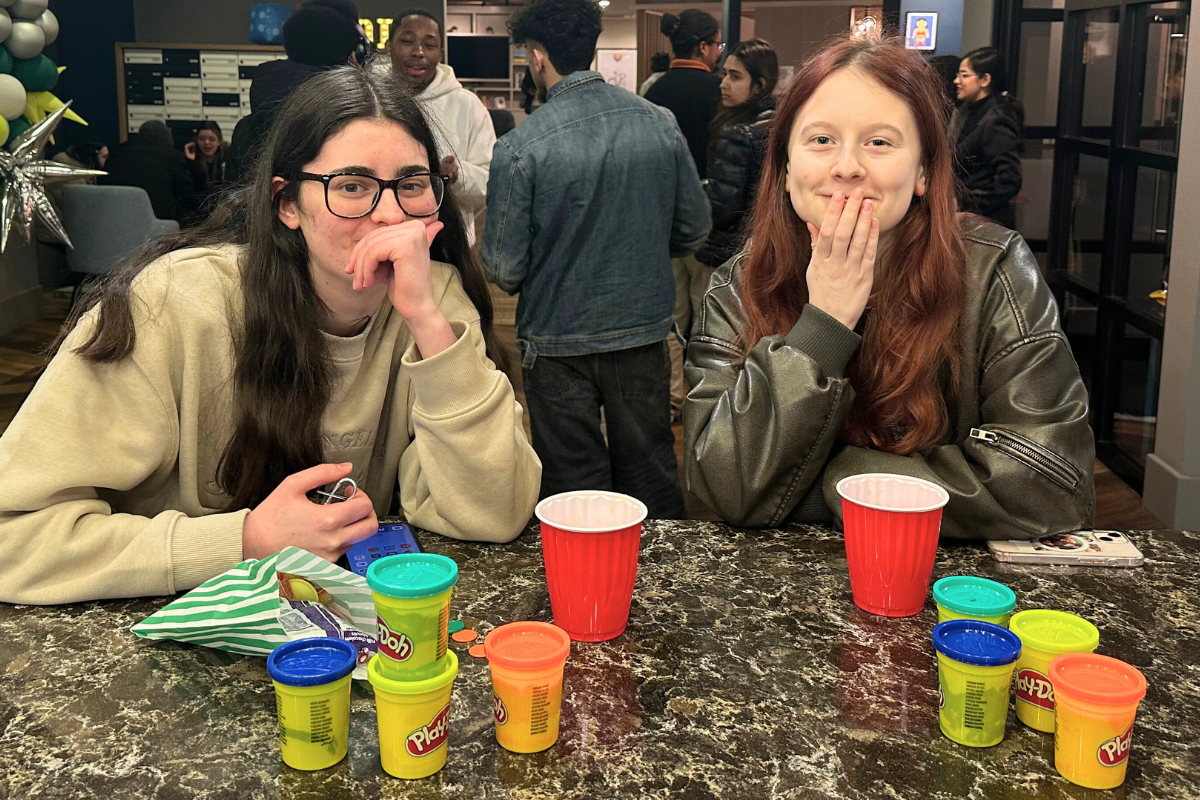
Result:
{"points": [[688, 31], [987, 61]]}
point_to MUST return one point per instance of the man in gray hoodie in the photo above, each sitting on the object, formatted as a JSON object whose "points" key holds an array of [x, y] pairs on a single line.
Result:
{"points": [[461, 125]]}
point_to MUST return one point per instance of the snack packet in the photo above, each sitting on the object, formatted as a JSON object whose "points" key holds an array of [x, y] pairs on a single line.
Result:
{"points": [[260, 604]]}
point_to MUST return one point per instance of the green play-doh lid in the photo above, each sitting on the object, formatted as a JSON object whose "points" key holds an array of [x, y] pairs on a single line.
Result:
{"points": [[976, 597], [410, 575], [1054, 631]]}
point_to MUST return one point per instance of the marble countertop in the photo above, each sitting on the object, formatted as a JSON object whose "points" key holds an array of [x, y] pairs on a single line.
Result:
{"points": [[745, 672]]}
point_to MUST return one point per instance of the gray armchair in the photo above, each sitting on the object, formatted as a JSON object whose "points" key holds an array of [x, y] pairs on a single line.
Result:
{"points": [[106, 224]]}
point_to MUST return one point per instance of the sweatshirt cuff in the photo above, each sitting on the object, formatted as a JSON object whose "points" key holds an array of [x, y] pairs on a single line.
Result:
{"points": [[204, 547], [452, 381], [825, 340]]}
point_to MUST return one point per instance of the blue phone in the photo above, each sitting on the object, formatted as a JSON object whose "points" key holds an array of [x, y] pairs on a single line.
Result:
{"points": [[391, 540]]}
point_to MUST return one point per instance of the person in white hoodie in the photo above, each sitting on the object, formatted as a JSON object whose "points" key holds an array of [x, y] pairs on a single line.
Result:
{"points": [[460, 123]]}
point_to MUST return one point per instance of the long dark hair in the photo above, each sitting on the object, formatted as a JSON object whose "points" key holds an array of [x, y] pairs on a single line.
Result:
{"points": [[688, 30], [282, 372], [911, 350], [762, 65], [212, 169]]}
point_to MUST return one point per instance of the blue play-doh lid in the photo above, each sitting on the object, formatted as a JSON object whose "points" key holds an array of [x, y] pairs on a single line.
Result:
{"points": [[981, 644], [312, 662], [977, 597]]}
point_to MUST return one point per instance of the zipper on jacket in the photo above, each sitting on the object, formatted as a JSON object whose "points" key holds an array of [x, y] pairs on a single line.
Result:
{"points": [[1031, 454]]}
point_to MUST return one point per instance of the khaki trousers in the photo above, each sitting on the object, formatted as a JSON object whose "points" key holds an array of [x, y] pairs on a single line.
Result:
{"points": [[691, 282]]}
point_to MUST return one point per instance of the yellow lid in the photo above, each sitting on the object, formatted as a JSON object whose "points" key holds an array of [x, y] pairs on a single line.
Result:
{"points": [[1054, 631]]}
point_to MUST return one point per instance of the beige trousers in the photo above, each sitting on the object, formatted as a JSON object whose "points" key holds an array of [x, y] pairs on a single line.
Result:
{"points": [[691, 282]]}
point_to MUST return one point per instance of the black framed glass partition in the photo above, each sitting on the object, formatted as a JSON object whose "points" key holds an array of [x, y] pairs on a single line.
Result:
{"points": [[1112, 190]]}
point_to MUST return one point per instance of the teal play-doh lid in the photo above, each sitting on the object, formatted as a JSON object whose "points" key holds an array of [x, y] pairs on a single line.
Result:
{"points": [[976, 597], [410, 575]]}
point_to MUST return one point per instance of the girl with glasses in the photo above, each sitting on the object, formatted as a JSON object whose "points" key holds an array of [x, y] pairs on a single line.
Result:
{"points": [[327, 321], [986, 133]]}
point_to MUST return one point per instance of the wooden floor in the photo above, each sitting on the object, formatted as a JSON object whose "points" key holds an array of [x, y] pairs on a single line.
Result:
{"points": [[1117, 506]]}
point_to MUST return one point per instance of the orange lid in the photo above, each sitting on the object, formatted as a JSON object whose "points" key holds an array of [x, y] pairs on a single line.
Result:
{"points": [[1097, 679], [527, 645]]}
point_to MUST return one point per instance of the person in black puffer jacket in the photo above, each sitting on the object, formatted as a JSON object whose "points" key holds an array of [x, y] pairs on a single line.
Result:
{"points": [[986, 133], [737, 144]]}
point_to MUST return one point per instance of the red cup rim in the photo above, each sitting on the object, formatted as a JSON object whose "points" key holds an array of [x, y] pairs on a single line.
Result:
{"points": [[943, 495], [527, 645], [1091, 677], [641, 507]]}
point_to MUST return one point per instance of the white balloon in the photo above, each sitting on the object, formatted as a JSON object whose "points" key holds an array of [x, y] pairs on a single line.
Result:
{"points": [[12, 97], [29, 9], [5, 24], [48, 23], [26, 40]]}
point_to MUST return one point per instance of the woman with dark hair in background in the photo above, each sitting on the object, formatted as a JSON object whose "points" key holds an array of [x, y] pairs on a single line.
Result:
{"points": [[870, 328], [986, 132], [736, 152], [735, 155], [208, 155], [690, 89], [89, 155], [328, 320]]}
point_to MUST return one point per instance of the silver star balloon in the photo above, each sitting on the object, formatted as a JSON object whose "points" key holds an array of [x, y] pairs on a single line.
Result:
{"points": [[23, 179]]}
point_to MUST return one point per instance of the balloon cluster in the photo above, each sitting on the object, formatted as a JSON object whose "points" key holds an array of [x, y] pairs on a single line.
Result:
{"points": [[26, 76]]}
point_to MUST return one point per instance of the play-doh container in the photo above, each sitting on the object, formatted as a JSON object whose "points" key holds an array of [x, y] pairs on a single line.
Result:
{"points": [[1045, 634]]}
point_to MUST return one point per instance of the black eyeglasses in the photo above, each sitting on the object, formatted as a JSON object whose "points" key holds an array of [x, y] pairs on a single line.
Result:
{"points": [[353, 196]]}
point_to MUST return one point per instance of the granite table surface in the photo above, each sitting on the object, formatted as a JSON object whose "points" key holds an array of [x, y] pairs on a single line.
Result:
{"points": [[746, 672]]}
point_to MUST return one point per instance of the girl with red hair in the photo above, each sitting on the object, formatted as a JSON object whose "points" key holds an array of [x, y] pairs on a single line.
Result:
{"points": [[870, 327]]}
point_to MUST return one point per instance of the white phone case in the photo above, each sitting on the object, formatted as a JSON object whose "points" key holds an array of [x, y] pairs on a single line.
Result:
{"points": [[1085, 548]]}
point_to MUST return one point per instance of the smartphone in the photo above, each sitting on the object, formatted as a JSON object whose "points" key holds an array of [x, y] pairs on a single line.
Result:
{"points": [[1083, 548], [391, 540]]}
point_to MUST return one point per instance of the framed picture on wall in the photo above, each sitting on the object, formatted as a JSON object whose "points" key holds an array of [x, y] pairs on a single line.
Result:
{"points": [[619, 67], [920, 30]]}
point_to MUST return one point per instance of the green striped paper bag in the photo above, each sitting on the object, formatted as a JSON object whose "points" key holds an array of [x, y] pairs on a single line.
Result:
{"points": [[239, 610]]}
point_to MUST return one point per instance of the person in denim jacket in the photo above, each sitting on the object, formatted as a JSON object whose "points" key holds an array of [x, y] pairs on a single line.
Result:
{"points": [[588, 201]]}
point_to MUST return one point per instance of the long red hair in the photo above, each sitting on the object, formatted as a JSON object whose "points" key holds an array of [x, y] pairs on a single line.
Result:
{"points": [[910, 355]]}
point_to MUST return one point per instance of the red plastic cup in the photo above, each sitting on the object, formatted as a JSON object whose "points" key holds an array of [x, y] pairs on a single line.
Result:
{"points": [[892, 524], [590, 543]]}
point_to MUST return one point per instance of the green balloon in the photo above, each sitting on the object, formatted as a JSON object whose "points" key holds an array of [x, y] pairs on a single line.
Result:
{"points": [[37, 74], [6, 61], [15, 128]]}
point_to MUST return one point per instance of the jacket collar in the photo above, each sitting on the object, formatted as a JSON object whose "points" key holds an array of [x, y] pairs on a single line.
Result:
{"points": [[689, 63], [578, 78]]}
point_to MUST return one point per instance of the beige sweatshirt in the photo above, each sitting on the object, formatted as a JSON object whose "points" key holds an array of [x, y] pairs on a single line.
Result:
{"points": [[107, 472]]}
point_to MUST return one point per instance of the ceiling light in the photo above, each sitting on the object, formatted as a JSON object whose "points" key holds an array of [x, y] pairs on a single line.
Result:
{"points": [[604, 3]]}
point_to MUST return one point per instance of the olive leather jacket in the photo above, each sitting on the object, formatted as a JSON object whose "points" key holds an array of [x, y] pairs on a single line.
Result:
{"points": [[762, 443]]}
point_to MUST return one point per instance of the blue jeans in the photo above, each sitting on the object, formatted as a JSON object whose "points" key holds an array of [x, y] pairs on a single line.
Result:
{"points": [[565, 395]]}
